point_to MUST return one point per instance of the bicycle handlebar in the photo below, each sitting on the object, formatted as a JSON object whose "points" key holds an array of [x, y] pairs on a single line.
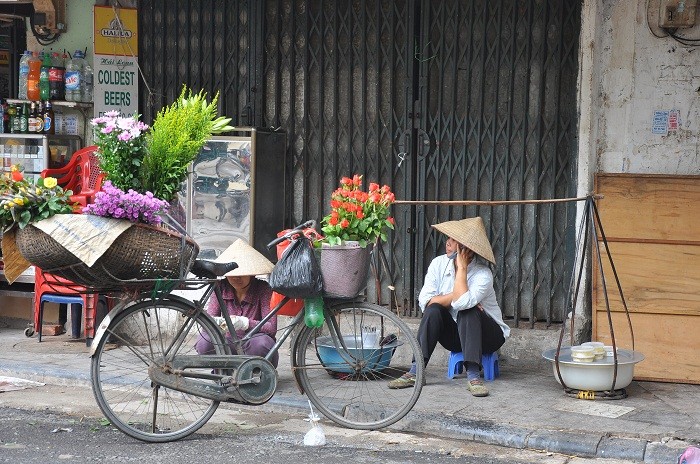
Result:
{"points": [[310, 224]]}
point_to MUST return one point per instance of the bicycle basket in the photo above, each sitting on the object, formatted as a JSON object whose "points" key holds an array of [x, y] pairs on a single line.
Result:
{"points": [[141, 252]]}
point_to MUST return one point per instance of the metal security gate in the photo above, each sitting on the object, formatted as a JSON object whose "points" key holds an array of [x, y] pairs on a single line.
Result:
{"points": [[497, 112], [441, 100]]}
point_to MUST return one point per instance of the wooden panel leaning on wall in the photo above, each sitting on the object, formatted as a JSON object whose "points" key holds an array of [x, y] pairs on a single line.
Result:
{"points": [[653, 231]]}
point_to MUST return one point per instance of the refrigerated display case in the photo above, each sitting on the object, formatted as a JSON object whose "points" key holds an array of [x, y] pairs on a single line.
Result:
{"points": [[36, 152], [236, 189]]}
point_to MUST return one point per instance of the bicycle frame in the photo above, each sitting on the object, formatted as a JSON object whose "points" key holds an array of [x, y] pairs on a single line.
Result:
{"points": [[177, 379]]}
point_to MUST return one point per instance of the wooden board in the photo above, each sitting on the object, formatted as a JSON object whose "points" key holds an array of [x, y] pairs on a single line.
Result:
{"points": [[645, 207], [655, 278], [652, 223], [668, 342]]}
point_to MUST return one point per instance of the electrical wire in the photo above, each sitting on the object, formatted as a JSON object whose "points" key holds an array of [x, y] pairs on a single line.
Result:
{"points": [[649, 25], [686, 41], [43, 38]]}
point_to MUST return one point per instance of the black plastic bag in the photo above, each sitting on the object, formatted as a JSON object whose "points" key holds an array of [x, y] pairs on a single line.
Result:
{"points": [[297, 274]]}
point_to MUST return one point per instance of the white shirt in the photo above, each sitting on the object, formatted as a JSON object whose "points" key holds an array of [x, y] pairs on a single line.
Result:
{"points": [[440, 280]]}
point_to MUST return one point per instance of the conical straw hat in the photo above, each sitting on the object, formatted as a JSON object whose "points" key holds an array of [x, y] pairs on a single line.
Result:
{"points": [[471, 233], [250, 261]]}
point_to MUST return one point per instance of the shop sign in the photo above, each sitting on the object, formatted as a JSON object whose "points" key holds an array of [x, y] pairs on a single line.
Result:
{"points": [[115, 67]]}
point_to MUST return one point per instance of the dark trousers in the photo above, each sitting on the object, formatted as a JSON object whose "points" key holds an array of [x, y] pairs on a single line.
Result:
{"points": [[474, 332]]}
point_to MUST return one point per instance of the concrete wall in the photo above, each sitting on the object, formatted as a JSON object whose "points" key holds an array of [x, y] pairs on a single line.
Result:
{"points": [[626, 74], [635, 74]]}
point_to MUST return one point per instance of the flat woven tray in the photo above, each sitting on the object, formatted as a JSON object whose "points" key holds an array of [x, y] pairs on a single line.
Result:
{"points": [[142, 252]]}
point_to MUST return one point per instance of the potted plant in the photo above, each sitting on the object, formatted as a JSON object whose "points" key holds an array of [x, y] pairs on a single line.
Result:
{"points": [[357, 221]]}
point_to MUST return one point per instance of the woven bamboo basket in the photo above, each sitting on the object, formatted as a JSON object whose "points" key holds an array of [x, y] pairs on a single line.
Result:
{"points": [[142, 252]]}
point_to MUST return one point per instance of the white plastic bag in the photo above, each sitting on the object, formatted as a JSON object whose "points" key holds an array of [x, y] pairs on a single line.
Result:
{"points": [[315, 436]]}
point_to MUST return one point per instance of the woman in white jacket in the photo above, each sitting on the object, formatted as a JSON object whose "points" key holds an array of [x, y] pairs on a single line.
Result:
{"points": [[459, 304]]}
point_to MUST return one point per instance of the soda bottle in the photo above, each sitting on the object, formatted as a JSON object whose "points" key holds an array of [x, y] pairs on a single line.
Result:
{"points": [[23, 73], [56, 78], [313, 312], [74, 71], [44, 86], [49, 119], [33, 78]]}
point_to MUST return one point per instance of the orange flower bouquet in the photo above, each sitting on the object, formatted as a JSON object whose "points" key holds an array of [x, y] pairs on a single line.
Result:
{"points": [[357, 215]]}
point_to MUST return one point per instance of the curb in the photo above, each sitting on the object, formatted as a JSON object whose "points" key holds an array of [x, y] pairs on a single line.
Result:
{"points": [[579, 444]]}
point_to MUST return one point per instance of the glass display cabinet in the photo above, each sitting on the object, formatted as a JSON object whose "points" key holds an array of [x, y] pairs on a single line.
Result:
{"points": [[236, 189]]}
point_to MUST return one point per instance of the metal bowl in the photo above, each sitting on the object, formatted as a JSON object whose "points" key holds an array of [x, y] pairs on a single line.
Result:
{"points": [[596, 375]]}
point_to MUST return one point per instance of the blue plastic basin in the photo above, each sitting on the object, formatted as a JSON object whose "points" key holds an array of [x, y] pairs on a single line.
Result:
{"points": [[362, 359]]}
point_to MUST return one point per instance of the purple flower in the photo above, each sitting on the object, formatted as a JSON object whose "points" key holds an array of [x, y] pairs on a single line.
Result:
{"points": [[132, 205], [125, 136]]}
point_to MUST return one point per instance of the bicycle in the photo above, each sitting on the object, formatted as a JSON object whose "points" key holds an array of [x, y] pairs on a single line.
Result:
{"points": [[152, 385]]}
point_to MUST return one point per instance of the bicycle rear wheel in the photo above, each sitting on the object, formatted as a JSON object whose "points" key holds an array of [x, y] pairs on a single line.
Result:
{"points": [[349, 384], [150, 334]]}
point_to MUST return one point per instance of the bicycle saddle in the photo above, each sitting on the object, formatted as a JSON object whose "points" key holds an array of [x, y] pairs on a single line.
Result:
{"points": [[211, 269]]}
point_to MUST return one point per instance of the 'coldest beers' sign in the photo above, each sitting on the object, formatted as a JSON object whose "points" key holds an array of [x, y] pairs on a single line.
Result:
{"points": [[115, 60]]}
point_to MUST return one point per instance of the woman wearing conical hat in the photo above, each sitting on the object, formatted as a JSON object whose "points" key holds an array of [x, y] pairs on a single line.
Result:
{"points": [[459, 304], [247, 301]]}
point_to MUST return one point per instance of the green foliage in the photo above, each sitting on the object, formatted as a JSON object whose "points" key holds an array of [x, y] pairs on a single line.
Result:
{"points": [[178, 133]]}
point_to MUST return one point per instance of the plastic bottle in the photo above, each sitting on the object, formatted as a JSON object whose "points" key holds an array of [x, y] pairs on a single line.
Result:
{"points": [[56, 78], [23, 73], [74, 71], [44, 85], [49, 119], [87, 83], [33, 78], [313, 312]]}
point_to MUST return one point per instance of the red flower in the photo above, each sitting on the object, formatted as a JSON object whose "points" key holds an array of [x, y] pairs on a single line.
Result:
{"points": [[17, 176], [358, 215], [391, 219]]}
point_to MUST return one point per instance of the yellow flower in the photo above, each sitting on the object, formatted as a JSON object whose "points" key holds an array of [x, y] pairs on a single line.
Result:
{"points": [[19, 201], [50, 182], [38, 191], [14, 168]]}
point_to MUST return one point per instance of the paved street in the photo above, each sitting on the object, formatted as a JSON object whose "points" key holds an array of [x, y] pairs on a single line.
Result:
{"points": [[38, 429]]}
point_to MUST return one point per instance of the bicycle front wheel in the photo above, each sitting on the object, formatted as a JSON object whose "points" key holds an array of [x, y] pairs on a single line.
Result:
{"points": [[148, 335], [348, 381]]}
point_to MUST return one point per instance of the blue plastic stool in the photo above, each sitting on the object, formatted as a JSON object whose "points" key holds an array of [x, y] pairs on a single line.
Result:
{"points": [[489, 363], [72, 300]]}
